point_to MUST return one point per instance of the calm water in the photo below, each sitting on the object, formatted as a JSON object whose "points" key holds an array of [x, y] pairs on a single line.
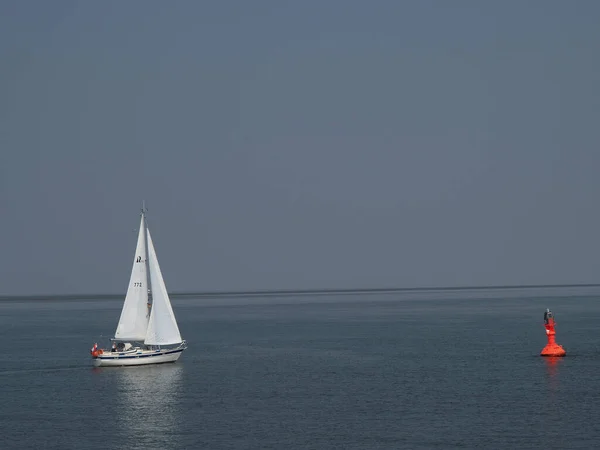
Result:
{"points": [[308, 373]]}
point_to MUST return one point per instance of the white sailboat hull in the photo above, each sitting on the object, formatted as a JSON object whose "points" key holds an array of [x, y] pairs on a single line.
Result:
{"points": [[137, 357]]}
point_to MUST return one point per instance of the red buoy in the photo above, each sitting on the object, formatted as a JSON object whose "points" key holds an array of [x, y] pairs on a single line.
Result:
{"points": [[552, 348]]}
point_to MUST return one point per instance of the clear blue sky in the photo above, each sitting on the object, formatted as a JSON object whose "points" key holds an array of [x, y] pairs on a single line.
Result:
{"points": [[301, 144]]}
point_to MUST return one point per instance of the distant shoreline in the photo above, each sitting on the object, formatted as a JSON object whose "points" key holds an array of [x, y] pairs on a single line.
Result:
{"points": [[305, 292]]}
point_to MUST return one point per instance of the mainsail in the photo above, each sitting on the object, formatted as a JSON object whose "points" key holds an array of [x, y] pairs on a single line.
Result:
{"points": [[133, 322], [162, 326]]}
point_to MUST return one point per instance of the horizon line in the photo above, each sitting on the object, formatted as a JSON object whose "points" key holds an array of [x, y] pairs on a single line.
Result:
{"points": [[299, 292]]}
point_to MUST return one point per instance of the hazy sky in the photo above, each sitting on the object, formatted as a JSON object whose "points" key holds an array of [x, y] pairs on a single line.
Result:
{"points": [[300, 144]]}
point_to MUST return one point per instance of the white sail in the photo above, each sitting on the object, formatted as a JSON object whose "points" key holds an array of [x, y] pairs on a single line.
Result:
{"points": [[133, 322], [162, 327]]}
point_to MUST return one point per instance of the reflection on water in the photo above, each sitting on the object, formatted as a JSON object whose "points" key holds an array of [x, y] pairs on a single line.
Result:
{"points": [[148, 412], [552, 363], [552, 366], [551, 406]]}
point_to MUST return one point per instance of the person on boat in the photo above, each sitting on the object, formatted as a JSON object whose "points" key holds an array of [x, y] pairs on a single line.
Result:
{"points": [[114, 347]]}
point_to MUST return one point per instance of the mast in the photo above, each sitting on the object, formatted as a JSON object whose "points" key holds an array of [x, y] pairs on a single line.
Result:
{"points": [[148, 281]]}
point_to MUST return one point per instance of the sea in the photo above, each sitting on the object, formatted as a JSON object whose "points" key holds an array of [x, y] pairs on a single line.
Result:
{"points": [[354, 371]]}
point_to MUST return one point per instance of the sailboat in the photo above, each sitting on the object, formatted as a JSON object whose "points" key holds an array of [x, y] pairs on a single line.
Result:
{"points": [[147, 332]]}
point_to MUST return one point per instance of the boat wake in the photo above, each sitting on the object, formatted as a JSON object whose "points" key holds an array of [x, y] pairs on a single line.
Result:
{"points": [[42, 370]]}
